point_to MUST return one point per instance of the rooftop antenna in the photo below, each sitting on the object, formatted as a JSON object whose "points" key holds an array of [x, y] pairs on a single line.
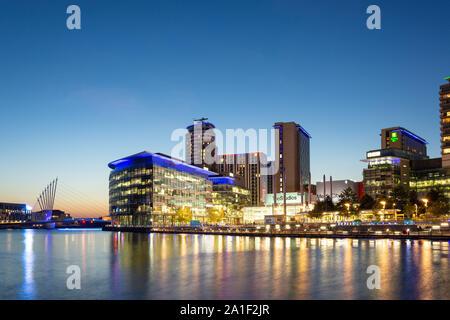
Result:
{"points": [[201, 119]]}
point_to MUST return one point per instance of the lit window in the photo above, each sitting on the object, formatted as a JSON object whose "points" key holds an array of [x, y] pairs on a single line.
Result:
{"points": [[447, 150]]}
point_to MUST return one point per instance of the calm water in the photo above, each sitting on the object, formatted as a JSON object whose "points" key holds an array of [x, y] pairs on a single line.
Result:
{"points": [[156, 266]]}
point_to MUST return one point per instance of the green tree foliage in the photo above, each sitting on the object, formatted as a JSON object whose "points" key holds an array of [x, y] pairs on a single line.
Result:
{"points": [[215, 215], [366, 202], [413, 198], [439, 208], [324, 206], [400, 197], [438, 204], [409, 209], [183, 215], [436, 195], [347, 196]]}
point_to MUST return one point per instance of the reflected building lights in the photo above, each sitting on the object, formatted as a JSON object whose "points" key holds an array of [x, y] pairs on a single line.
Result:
{"points": [[28, 265]]}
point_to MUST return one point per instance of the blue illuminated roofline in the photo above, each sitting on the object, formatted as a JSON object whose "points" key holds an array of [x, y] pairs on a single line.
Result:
{"points": [[304, 131], [222, 180], [207, 123], [299, 128], [161, 161], [412, 135], [382, 158]]}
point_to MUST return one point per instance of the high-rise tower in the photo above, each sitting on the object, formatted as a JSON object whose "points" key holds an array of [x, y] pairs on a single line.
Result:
{"points": [[444, 93], [200, 143], [294, 159]]}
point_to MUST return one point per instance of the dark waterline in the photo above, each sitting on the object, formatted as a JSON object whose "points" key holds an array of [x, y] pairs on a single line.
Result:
{"points": [[33, 265]]}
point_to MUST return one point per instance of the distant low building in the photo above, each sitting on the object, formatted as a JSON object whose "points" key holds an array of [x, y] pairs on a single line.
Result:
{"points": [[336, 187], [47, 215], [14, 211]]}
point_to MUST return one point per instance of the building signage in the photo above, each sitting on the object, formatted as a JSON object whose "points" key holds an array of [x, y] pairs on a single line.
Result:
{"points": [[373, 154], [291, 198], [394, 136]]}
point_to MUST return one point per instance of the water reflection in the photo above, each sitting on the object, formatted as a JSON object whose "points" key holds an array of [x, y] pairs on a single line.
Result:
{"points": [[163, 266], [28, 265]]}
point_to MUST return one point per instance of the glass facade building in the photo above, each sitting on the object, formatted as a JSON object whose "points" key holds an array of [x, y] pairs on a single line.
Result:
{"points": [[383, 174], [147, 189], [427, 175], [14, 212], [230, 197], [444, 99], [390, 166]]}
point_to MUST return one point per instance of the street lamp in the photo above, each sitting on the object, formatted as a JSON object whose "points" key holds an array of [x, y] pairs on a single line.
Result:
{"points": [[395, 211], [348, 207], [384, 207], [426, 209]]}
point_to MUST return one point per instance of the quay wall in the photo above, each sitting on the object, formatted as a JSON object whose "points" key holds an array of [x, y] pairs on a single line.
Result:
{"points": [[336, 234]]}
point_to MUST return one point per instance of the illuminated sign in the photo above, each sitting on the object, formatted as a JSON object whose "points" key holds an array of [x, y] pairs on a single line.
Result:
{"points": [[373, 154], [291, 198], [394, 136]]}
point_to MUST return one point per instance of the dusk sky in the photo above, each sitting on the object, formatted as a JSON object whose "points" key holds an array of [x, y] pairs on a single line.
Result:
{"points": [[71, 101]]}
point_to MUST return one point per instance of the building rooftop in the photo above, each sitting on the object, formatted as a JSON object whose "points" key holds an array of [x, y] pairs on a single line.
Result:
{"points": [[408, 133], [220, 179], [161, 160], [392, 154], [299, 127], [304, 131], [426, 164], [205, 124]]}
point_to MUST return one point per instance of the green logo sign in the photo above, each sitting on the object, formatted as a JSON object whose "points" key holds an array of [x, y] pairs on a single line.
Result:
{"points": [[394, 136]]}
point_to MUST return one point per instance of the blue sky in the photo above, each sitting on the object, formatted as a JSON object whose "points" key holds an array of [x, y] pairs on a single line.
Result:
{"points": [[72, 101]]}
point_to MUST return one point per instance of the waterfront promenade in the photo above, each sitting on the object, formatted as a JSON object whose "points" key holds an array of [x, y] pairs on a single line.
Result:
{"points": [[356, 232]]}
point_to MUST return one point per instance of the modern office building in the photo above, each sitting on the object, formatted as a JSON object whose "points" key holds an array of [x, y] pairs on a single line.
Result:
{"points": [[227, 195], [390, 166], [427, 175], [435, 173], [444, 98], [248, 167], [402, 139], [293, 153], [148, 188], [14, 212], [200, 149]]}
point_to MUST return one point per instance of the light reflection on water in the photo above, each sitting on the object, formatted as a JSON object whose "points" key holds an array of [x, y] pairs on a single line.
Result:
{"points": [[162, 266], [28, 265]]}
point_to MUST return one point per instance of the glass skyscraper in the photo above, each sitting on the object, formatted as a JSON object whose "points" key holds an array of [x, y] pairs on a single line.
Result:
{"points": [[147, 189]]}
